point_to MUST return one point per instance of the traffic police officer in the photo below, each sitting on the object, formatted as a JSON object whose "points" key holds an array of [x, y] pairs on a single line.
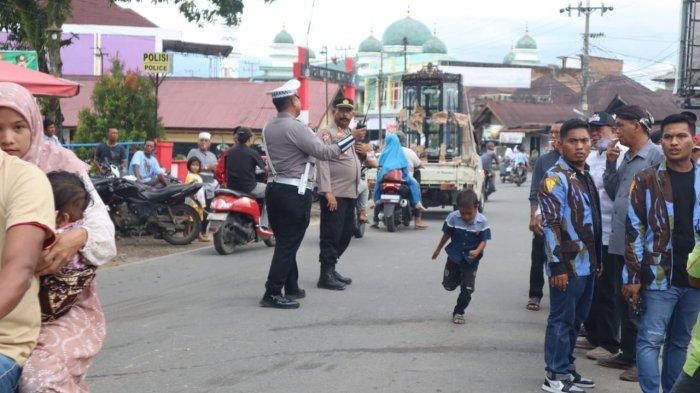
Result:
{"points": [[291, 147], [338, 180]]}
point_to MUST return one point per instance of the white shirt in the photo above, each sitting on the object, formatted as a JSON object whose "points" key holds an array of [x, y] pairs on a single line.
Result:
{"points": [[413, 160], [596, 162], [53, 139]]}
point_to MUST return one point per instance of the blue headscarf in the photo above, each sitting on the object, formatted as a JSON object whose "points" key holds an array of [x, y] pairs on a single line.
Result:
{"points": [[392, 157]]}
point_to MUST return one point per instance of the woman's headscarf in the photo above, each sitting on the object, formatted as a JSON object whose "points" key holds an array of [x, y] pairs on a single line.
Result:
{"points": [[46, 156], [392, 156]]}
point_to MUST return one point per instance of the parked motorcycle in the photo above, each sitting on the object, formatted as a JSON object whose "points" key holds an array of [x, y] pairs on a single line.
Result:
{"points": [[235, 221], [517, 174], [138, 210], [394, 203]]}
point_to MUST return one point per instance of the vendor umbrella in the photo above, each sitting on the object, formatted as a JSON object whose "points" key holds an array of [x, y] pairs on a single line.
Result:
{"points": [[38, 83]]}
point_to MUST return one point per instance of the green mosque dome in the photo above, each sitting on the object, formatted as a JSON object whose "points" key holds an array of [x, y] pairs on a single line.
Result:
{"points": [[416, 32], [434, 45], [526, 42], [283, 38], [370, 44]]}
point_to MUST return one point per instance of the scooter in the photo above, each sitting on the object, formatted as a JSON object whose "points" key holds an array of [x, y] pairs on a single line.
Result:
{"points": [[235, 221], [394, 203], [517, 174]]}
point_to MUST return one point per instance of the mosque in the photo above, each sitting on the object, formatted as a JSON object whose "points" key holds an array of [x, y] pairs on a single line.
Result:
{"points": [[405, 46]]}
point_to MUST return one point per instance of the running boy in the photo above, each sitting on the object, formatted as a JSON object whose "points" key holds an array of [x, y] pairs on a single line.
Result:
{"points": [[468, 230]]}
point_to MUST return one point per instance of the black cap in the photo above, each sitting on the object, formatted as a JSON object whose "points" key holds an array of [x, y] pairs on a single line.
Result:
{"points": [[602, 119], [343, 103]]}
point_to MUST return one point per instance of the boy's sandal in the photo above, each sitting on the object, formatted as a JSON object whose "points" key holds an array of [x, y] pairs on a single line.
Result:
{"points": [[458, 319], [421, 226], [533, 304]]}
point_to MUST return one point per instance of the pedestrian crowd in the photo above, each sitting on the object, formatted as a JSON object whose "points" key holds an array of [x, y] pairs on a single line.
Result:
{"points": [[615, 220]]}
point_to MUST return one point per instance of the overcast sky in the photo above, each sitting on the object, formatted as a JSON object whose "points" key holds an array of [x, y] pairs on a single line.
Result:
{"points": [[644, 33]]}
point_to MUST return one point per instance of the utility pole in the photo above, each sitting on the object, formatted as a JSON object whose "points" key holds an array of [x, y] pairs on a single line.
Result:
{"points": [[380, 90], [586, 10], [324, 51], [101, 54], [252, 65]]}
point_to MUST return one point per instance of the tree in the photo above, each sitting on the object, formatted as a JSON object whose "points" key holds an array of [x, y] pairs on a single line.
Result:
{"points": [[31, 23], [124, 101], [212, 10]]}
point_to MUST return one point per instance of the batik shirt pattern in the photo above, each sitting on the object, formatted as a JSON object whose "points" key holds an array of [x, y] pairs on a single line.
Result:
{"points": [[649, 229], [571, 219]]}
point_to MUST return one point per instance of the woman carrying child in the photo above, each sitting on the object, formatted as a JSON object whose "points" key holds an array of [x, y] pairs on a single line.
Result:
{"points": [[393, 158], [66, 345]]}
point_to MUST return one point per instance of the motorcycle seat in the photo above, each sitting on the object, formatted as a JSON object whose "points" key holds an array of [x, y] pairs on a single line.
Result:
{"points": [[161, 194], [237, 194]]}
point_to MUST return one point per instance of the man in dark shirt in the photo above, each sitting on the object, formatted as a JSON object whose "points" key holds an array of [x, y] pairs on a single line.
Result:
{"points": [[241, 162], [110, 153], [656, 255], [537, 257]]}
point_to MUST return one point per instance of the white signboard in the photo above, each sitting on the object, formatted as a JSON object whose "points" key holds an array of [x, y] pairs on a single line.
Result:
{"points": [[514, 78], [511, 137]]}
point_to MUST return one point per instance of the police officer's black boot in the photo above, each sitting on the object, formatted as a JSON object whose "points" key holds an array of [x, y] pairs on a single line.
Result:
{"points": [[339, 277], [294, 293], [276, 300], [328, 281]]}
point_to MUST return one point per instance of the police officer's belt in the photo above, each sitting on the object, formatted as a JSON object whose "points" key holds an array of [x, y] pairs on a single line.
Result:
{"points": [[292, 182]]}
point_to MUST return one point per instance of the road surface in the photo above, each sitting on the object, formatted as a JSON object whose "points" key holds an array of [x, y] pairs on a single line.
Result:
{"points": [[191, 322]]}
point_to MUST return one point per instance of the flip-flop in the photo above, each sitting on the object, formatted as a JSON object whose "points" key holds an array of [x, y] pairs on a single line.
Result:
{"points": [[458, 319], [533, 304], [421, 227]]}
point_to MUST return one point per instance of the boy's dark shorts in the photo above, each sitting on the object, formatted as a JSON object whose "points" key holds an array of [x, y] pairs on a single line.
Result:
{"points": [[459, 274]]}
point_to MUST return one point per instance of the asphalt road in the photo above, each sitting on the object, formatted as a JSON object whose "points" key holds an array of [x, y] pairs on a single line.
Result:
{"points": [[191, 322]]}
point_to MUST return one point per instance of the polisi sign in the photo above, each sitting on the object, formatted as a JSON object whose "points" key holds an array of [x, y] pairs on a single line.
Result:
{"points": [[158, 62]]}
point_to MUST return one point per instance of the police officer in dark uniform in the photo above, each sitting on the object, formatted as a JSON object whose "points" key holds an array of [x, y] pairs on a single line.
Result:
{"points": [[291, 148]]}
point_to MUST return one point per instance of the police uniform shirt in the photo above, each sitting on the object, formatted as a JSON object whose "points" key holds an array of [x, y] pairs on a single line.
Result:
{"points": [[340, 176], [289, 144]]}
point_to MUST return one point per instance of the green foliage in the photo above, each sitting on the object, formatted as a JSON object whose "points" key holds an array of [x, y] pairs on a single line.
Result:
{"points": [[123, 101], [229, 11]]}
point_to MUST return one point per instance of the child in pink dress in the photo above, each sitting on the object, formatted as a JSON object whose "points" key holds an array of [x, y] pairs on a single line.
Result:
{"points": [[59, 291]]}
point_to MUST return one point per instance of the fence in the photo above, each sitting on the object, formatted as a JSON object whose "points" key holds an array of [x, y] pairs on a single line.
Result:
{"points": [[127, 146]]}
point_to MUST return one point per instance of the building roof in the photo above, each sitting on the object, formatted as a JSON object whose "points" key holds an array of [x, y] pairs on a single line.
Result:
{"points": [[283, 38], [370, 44], [100, 12], [196, 47], [414, 31], [521, 116], [434, 45], [546, 85], [209, 104]]}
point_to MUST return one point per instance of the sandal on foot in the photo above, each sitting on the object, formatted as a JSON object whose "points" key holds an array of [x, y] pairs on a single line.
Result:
{"points": [[533, 304], [458, 319]]}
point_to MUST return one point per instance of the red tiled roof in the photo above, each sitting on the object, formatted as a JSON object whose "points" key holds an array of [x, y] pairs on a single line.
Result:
{"points": [[209, 104], [100, 12], [517, 115]]}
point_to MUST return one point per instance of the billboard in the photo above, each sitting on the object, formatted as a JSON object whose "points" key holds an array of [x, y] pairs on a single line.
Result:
{"points": [[499, 77], [24, 58]]}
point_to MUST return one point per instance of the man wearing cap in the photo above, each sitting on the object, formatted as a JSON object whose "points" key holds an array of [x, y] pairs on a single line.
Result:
{"points": [[291, 148], [207, 158], [633, 128], [338, 180], [603, 324]]}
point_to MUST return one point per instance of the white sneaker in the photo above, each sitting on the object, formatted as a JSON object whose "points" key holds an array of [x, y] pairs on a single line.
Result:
{"points": [[566, 386]]}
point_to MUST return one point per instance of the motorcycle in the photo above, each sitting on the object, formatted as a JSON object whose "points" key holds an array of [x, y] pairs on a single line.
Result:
{"points": [[235, 221], [394, 203], [138, 210], [517, 173], [488, 187]]}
